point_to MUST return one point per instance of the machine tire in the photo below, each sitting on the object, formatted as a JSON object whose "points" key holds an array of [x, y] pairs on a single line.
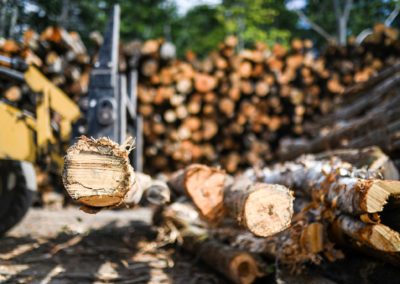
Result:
{"points": [[16, 192]]}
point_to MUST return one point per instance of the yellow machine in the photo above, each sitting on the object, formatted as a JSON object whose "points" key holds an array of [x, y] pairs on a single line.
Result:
{"points": [[27, 137]]}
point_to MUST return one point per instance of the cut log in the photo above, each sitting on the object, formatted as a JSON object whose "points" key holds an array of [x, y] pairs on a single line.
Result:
{"points": [[263, 209], [376, 236], [97, 172], [338, 182], [237, 265], [204, 185]]}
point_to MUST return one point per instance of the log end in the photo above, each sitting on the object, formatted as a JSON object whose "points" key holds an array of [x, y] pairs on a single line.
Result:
{"points": [[243, 268], [268, 209], [377, 193], [205, 186], [97, 172]]}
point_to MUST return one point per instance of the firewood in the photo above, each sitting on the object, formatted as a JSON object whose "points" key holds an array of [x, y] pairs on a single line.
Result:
{"points": [[264, 209], [150, 47], [204, 185], [97, 173], [261, 208], [337, 182], [374, 236], [204, 83], [237, 265]]}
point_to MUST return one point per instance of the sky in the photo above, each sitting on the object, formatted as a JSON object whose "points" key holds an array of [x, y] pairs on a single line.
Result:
{"points": [[186, 5]]}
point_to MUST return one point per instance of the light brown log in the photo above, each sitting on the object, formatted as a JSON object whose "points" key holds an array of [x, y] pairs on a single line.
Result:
{"points": [[97, 172], [150, 47], [261, 208], [204, 185], [227, 106], [237, 265], [184, 86], [204, 83]]}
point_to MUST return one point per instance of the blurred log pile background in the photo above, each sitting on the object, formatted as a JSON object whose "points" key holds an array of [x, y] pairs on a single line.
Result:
{"points": [[231, 108]]}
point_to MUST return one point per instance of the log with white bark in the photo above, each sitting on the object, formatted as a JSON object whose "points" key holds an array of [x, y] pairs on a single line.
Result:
{"points": [[344, 187], [237, 265], [263, 209]]}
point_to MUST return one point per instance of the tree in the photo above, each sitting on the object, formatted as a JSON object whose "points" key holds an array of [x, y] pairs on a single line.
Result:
{"points": [[141, 19], [342, 14], [255, 20], [199, 30], [337, 19]]}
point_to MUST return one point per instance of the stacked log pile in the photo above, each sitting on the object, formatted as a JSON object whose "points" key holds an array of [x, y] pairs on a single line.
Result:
{"points": [[369, 117], [242, 225], [356, 63], [345, 201], [233, 109], [59, 54], [230, 108]]}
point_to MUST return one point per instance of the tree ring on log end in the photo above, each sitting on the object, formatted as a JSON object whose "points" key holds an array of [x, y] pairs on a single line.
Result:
{"points": [[97, 172], [268, 209], [243, 268]]}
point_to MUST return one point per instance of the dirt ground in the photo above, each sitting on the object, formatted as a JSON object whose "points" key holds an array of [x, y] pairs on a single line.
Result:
{"points": [[69, 246]]}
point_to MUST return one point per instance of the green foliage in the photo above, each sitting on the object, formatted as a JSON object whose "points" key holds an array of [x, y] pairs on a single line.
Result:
{"points": [[255, 20], [141, 19], [364, 14], [203, 27], [199, 30]]}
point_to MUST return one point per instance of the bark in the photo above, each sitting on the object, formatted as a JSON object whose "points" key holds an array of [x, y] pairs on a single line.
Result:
{"points": [[337, 182], [263, 209], [237, 265]]}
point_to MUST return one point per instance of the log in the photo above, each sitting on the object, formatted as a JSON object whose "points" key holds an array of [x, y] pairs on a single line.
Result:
{"points": [[204, 185], [97, 172], [336, 181], [237, 265], [263, 209], [378, 237]]}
